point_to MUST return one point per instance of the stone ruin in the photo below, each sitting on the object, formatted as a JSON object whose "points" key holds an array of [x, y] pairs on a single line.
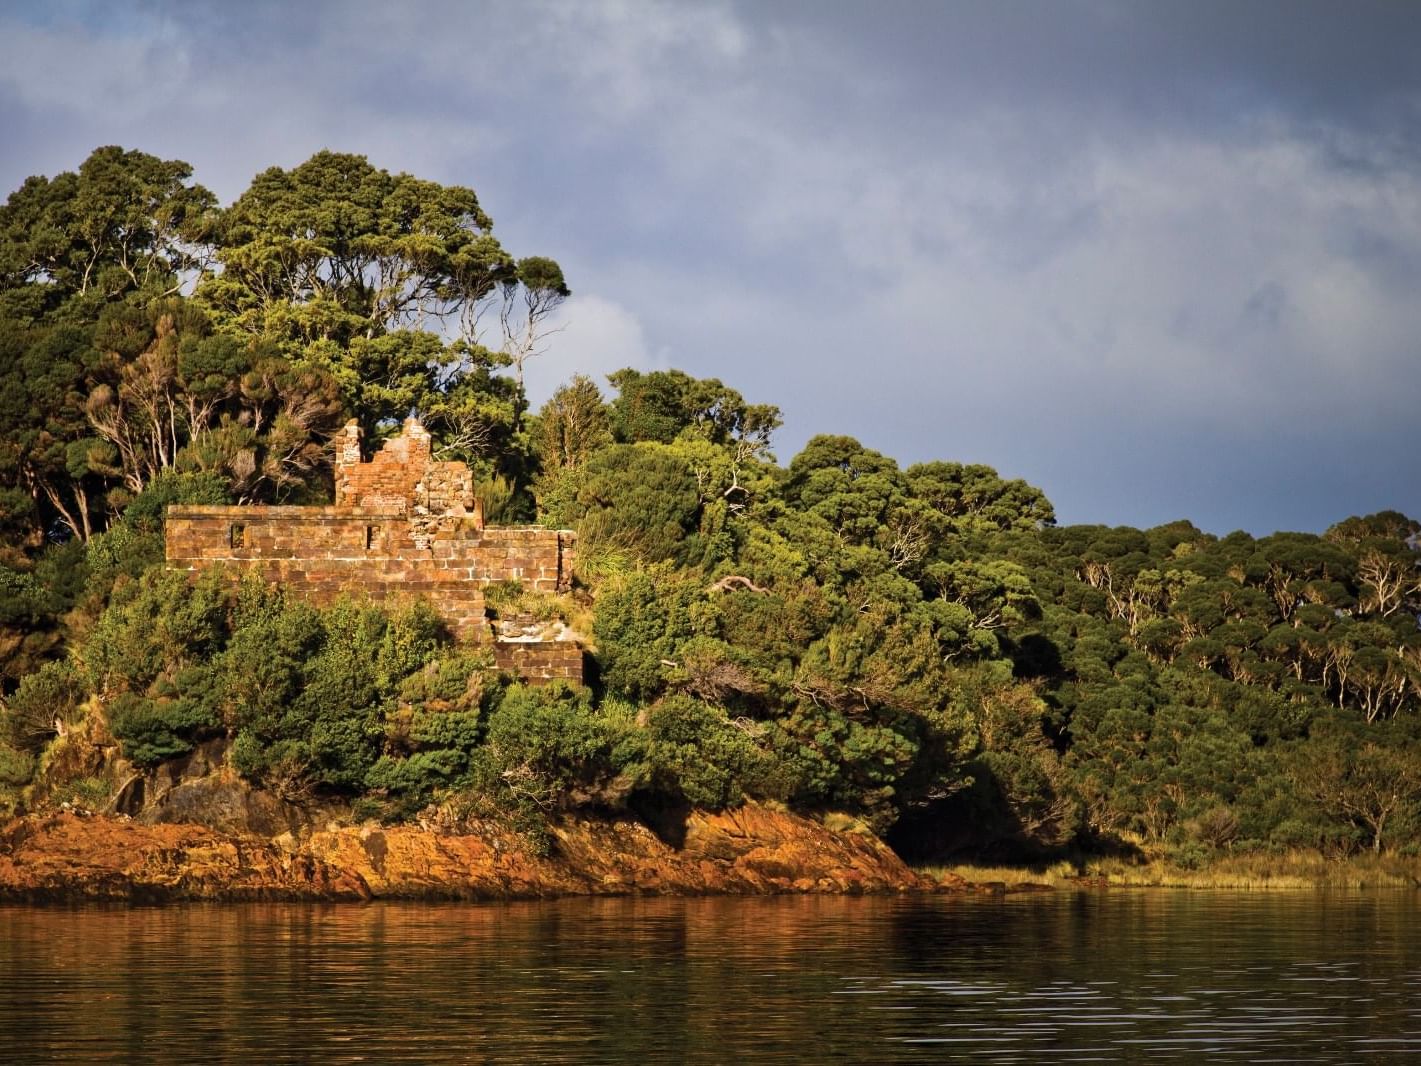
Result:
{"points": [[402, 526]]}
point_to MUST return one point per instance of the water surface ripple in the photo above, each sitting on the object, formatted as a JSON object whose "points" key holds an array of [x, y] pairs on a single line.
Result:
{"points": [[1117, 976]]}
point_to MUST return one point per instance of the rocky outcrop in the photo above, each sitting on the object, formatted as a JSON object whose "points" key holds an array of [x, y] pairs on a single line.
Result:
{"points": [[201, 788], [72, 857]]}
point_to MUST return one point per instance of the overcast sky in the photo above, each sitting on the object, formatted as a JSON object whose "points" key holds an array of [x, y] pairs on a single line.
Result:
{"points": [[1162, 260]]}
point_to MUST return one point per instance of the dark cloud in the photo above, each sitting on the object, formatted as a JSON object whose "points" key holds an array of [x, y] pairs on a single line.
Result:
{"points": [[1201, 60], [1160, 259]]}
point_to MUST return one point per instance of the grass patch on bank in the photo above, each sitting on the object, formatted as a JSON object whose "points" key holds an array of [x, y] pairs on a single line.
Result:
{"points": [[1291, 869], [1300, 869], [1055, 874]]}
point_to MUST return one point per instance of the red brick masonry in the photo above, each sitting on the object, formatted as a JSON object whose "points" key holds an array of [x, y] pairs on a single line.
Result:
{"points": [[402, 527]]}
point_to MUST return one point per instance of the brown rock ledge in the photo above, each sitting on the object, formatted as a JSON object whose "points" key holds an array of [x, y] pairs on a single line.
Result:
{"points": [[75, 858]]}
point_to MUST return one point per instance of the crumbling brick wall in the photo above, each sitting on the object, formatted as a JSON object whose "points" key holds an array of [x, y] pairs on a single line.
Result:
{"points": [[403, 526], [402, 477]]}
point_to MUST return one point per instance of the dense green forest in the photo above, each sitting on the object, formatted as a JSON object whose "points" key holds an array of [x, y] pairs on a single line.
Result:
{"points": [[920, 647]]}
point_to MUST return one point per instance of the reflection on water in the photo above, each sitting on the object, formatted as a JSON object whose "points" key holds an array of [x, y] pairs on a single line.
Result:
{"points": [[1074, 977]]}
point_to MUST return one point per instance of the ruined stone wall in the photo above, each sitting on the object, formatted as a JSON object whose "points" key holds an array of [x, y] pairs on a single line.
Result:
{"points": [[322, 552], [402, 527], [401, 477], [540, 661], [540, 558]]}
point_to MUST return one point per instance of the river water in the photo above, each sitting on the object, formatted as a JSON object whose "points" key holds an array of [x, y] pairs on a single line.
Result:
{"points": [[1102, 976]]}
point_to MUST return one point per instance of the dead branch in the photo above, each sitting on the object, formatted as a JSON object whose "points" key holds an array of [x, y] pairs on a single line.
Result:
{"points": [[735, 581]]}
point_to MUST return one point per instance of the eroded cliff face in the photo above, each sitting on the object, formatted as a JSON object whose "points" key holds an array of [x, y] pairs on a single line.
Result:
{"points": [[70, 857]]}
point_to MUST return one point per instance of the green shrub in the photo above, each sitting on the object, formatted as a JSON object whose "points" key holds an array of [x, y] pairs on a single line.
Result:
{"points": [[248, 755], [418, 775], [51, 693], [696, 752], [264, 663], [487, 795], [456, 730], [133, 545], [412, 637], [310, 692], [16, 767], [22, 599], [145, 512], [343, 747], [343, 671], [459, 680], [550, 747], [282, 765], [152, 730], [153, 626], [639, 625], [121, 552]]}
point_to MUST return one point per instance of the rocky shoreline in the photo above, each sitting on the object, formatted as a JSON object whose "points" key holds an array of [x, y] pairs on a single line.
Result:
{"points": [[73, 857]]}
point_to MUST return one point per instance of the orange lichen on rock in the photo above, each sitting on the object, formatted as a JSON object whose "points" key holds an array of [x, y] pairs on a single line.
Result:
{"points": [[751, 850]]}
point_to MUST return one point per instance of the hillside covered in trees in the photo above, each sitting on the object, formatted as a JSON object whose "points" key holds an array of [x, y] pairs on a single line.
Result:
{"points": [[920, 647]]}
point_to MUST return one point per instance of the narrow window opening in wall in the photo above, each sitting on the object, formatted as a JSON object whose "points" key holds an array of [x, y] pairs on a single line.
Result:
{"points": [[238, 536], [372, 537]]}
